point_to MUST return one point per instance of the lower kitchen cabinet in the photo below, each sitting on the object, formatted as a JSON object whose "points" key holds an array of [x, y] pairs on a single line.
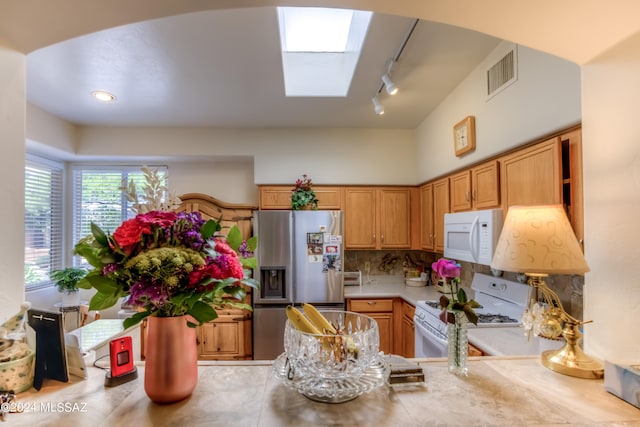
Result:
{"points": [[226, 338], [408, 330], [382, 311]]}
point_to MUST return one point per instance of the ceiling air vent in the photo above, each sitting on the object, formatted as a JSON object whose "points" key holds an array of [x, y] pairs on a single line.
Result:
{"points": [[502, 73]]}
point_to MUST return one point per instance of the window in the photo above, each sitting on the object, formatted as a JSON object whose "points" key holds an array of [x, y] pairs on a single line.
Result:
{"points": [[98, 198], [43, 250], [320, 49]]}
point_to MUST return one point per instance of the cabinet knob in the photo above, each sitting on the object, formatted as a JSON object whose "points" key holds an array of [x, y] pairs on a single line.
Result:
{"points": [[371, 302], [382, 238], [474, 195], [466, 195]]}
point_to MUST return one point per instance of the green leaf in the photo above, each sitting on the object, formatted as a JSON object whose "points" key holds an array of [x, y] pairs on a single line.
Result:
{"points": [[98, 234], [202, 312], [103, 284], [252, 243], [209, 228], [102, 301], [249, 262], [135, 319], [471, 315], [84, 283], [462, 295], [88, 253], [234, 238]]}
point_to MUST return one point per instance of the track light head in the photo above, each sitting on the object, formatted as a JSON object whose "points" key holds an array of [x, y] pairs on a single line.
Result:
{"points": [[377, 106], [391, 87]]}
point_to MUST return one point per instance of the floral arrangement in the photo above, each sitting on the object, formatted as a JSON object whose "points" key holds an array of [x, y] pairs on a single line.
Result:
{"points": [[168, 264], [449, 271], [302, 194]]}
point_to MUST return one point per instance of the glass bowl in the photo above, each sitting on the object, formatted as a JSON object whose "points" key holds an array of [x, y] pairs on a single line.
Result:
{"points": [[333, 368]]}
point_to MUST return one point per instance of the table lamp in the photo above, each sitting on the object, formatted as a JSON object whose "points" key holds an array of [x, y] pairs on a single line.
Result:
{"points": [[538, 241]]}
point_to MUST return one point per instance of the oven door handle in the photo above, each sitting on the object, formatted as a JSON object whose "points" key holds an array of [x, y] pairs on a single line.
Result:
{"points": [[424, 332]]}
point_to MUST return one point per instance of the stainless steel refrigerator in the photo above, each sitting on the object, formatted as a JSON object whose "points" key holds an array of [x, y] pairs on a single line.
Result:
{"points": [[300, 256]]}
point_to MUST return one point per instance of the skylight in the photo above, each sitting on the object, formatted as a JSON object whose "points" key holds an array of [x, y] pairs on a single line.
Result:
{"points": [[320, 49]]}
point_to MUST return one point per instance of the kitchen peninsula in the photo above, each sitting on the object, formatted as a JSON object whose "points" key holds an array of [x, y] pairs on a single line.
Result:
{"points": [[497, 392]]}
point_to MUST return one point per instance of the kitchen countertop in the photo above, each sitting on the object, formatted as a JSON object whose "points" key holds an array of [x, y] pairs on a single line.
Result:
{"points": [[497, 392], [494, 341]]}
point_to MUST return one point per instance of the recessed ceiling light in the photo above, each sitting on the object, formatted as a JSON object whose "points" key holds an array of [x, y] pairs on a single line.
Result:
{"points": [[103, 96]]}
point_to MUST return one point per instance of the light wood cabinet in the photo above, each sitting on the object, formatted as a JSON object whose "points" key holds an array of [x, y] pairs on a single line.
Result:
{"points": [[531, 176], [226, 338], [440, 207], [476, 188], [427, 238], [382, 311], [474, 351], [278, 197], [572, 181], [377, 217], [408, 330]]}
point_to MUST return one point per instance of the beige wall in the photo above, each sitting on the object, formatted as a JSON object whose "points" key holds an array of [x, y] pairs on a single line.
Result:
{"points": [[611, 145], [545, 98]]}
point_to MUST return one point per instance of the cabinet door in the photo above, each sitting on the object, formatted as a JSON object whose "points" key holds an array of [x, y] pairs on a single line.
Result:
{"points": [[440, 207], [222, 338], [408, 330], [275, 197], [360, 218], [485, 186], [532, 176], [385, 328], [426, 217], [278, 197], [460, 186], [395, 218]]}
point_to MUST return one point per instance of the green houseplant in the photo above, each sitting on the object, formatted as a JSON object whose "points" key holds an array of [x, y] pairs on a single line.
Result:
{"points": [[303, 196], [66, 280]]}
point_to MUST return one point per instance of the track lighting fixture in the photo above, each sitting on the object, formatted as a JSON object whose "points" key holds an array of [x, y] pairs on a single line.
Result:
{"points": [[391, 87], [386, 82], [377, 106]]}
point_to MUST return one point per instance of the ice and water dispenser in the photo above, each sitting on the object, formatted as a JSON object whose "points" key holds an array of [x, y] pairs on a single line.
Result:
{"points": [[273, 283]]}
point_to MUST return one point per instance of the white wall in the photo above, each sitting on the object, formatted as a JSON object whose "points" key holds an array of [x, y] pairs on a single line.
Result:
{"points": [[611, 153], [545, 98], [12, 136]]}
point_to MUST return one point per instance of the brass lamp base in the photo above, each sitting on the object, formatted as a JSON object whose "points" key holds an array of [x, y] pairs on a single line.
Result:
{"points": [[570, 359]]}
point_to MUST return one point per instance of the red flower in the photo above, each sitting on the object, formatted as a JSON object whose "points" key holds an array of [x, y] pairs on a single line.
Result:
{"points": [[129, 234], [162, 219]]}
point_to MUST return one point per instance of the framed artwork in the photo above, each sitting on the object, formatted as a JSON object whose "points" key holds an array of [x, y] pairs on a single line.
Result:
{"points": [[464, 135]]}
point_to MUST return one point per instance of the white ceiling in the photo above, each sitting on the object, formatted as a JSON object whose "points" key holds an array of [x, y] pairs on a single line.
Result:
{"points": [[223, 68]]}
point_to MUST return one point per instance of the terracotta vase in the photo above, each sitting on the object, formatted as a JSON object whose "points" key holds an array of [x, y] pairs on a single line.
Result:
{"points": [[171, 363]]}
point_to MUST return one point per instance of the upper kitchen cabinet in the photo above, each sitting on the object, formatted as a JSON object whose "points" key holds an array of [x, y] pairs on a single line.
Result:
{"points": [[427, 238], [377, 217], [278, 197], [572, 192], [476, 188], [440, 207], [531, 176]]}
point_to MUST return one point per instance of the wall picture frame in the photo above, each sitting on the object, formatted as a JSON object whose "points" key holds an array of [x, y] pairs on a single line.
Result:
{"points": [[464, 136]]}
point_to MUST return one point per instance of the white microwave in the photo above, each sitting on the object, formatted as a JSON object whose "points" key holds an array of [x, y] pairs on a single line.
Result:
{"points": [[472, 236]]}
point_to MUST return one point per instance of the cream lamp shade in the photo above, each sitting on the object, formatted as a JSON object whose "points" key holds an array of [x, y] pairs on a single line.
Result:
{"points": [[539, 240]]}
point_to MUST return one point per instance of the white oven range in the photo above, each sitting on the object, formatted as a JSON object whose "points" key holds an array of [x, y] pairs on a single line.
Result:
{"points": [[502, 304]]}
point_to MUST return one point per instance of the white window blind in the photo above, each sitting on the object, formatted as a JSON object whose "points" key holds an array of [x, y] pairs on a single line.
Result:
{"points": [[43, 251], [98, 198]]}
